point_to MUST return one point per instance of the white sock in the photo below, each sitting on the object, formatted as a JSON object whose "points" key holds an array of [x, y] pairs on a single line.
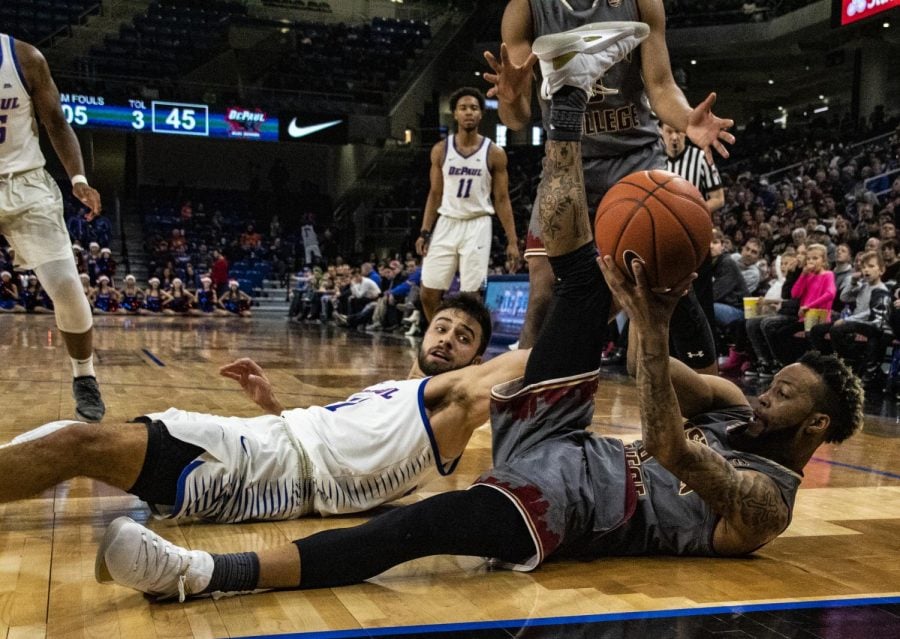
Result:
{"points": [[83, 367]]}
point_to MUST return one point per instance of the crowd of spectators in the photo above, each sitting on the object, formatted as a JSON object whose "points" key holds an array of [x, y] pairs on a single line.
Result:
{"points": [[808, 257]]}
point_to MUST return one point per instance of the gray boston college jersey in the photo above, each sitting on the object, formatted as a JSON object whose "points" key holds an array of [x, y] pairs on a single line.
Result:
{"points": [[670, 518], [613, 124]]}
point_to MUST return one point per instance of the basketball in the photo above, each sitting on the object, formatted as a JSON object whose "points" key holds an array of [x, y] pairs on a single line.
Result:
{"points": [[659, 218]]}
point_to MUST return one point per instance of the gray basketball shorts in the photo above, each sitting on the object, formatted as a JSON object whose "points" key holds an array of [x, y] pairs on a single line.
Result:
{"points": [[600, 174], [549, 466]]}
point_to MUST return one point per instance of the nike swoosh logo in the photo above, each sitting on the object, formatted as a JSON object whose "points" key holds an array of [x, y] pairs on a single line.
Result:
{"points": [[296, 131]]}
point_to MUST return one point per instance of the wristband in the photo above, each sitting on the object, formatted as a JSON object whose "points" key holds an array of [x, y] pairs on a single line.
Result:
{"points": [[79, 179], [425, 235]]}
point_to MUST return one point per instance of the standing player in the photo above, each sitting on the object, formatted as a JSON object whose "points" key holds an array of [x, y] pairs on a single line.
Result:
{"points": [[31, 205], [722, 484], [469, 181], [620, 134]]}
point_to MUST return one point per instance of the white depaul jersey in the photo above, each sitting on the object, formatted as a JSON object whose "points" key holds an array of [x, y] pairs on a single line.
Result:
{"points": [[342, 458], [19, 144], [375, 446], [467, 182]]}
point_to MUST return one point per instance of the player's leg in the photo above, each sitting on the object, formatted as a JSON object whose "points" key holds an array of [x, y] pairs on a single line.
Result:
{"points": [[475, 254], [482, 523], [580, 297], [39, 236], [73, 317], [440, 263], [55, 452]]}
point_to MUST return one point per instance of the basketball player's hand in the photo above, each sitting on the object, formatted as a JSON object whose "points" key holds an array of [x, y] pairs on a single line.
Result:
{"points": [[256, 385], [421, 246], [647, 308], [708, 131], [512, 252], [90, 198], [510, 80]]}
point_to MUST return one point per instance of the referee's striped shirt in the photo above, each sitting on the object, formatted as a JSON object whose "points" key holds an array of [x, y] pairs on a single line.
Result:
{"points": [[693, 167]]}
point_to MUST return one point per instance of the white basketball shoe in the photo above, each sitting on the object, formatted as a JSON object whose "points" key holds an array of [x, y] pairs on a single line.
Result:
{"points": [[581, 56], [134, 556]]}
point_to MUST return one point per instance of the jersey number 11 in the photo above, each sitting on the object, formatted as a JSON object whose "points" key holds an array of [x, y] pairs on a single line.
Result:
{"points": [[465, 187]]}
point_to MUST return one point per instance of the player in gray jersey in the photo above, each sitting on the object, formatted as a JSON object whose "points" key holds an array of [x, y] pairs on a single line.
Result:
{"points": [[621, 136], [722, 484]]}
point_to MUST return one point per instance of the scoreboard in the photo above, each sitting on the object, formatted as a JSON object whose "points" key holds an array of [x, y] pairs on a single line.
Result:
{"points": [[171, 118]]}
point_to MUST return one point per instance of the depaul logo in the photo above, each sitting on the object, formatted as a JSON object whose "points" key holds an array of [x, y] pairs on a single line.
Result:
{"points": [[244, 123]]}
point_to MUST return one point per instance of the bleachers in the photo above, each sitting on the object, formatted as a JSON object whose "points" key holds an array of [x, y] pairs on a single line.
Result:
{"points": [[173, 37], [35, 20], [698, 13], [366, 61]]}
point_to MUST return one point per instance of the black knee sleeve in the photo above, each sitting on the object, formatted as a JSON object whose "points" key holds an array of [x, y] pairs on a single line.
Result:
{"points": [[479, 522], [581, 303]]}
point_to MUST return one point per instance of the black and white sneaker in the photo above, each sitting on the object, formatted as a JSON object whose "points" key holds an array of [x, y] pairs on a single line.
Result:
{"points": [[89, 405]]}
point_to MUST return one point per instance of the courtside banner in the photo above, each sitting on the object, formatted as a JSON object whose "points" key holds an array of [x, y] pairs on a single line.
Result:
{"points": [[321, 128], [850, 11]]}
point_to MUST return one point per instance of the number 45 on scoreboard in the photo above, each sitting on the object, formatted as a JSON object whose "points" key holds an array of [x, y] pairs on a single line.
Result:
{"points": [[180, 118]]}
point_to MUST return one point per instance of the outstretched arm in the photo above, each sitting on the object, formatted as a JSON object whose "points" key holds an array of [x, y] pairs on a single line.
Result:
{"points": [[256, 385], [702, 127], [512, 75], [749, 504], [458, 401]]}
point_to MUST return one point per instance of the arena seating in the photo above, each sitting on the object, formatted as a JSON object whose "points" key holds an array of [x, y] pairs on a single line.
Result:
{"points": [[693, 13], [173, 37], [365, 61], [36, 20]]}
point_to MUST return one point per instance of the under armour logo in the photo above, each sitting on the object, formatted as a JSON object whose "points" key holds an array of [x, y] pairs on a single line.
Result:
{"points": [[691, 355]]}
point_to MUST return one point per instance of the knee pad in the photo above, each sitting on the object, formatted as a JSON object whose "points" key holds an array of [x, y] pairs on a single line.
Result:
{"points": [[60, 280]]}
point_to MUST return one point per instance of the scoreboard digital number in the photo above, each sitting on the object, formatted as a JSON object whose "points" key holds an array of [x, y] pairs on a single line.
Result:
{"points": [[170, 118]]}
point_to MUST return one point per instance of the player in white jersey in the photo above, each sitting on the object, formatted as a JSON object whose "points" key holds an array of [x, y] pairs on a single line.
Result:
{"points": [[469, 183], [379, 444], [31, 205]]}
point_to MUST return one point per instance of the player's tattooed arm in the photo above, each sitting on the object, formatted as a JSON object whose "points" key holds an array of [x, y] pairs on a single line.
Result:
{"points": [[562, 203], [749, 503]]}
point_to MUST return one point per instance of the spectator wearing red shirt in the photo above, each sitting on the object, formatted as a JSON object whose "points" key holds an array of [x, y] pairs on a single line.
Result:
{"points": [[219, 272]]}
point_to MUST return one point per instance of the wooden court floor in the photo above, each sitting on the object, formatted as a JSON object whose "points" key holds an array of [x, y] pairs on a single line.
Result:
{"points": [[844, 543]]}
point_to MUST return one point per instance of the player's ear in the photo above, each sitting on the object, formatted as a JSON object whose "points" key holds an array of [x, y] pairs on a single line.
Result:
{"points": [[817, 423], [477, 360]]}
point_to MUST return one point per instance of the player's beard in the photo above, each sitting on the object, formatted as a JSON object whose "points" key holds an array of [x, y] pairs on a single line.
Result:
{"points": [[775, 445], [432, 367]]}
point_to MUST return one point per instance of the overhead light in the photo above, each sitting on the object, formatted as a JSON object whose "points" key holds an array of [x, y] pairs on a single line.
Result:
{"points": [[807, 67], [771, 81], [821, 109], [478, 73], [886, 25], [781, 108], [693, 62], [821, 97]]}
